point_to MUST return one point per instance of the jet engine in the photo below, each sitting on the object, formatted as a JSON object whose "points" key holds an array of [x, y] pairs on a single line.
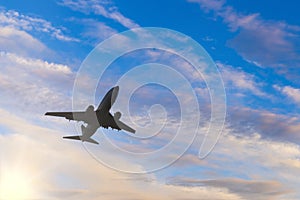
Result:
{"points": [[90, 109], [117, 115]]}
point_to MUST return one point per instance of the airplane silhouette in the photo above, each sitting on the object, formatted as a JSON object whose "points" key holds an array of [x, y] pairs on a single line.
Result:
{"points": [[96, 118]]}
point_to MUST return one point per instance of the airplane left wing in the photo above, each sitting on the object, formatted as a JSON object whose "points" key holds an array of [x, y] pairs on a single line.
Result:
{"points": [[76, 116]]}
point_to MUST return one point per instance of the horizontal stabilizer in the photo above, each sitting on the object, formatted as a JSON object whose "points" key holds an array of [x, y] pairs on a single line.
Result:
{"points": [[75, 137], [72, 137]]}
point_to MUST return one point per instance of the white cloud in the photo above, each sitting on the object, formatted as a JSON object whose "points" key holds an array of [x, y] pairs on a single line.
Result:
{"points": [[248, 189], [290, 92], [210, 4], [278, 127], [62, 180], [49, 163], [96, 31], [247, 164], [254, 147], [20, 42], [18, 21], [58, 168], [240, 80], [34, 85], [35, 65], [103, 8]]}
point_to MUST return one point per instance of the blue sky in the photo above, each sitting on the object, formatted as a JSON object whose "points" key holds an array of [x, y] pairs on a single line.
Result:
{"points": [[255, 46]]}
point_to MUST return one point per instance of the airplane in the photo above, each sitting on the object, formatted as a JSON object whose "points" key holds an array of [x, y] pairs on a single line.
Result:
{"points": [[101, 117]]}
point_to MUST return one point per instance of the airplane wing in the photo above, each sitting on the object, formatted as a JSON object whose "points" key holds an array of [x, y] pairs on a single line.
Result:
{"points": [[125, 127], [113, 123], [104, 107], [108, 100], [76, 116]]}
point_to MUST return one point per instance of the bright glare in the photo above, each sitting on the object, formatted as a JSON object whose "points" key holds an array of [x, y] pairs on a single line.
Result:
{"points": [[14, 185]]}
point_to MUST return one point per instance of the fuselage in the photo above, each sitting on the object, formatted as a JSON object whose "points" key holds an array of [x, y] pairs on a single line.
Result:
{"points": [[88, 131], [96, 120]]}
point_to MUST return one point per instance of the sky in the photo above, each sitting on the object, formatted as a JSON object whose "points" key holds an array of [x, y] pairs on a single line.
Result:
{"points": [[212, 89]]}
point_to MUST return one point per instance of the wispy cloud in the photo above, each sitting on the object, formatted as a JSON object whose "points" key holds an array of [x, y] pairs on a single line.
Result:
{"points": [[20, 42], [61, 179], [94, 31], [262, 42], [18, 21], [290, 92], [103, 8], [33, 84], [209, 5], [270, 125], [246, 160], [88, 172], [248, 189], [240, 80]]}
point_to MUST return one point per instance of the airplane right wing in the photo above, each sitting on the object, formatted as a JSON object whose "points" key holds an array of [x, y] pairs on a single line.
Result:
{"points": [[76, 116], [125, 127], [115, 123]]}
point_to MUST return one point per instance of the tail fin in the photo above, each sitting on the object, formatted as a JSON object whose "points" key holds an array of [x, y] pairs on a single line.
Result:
{"points": [[76, 137]]}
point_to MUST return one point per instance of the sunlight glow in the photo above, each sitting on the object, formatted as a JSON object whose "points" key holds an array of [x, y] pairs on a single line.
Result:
{"points": [[15, 185]]}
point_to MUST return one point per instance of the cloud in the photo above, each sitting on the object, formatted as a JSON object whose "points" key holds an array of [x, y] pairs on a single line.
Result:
{"points": [[248, 189], [209, 5], [34, 85], [262, 42], [253, 148], [267, 44], [96, 31], [49, 162], [20, 42], [52, 179], [18, 21], [290, 92], [103, 8], [62, 179], [253, 156], [245, 163], [270, 125], [237, 79]]}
